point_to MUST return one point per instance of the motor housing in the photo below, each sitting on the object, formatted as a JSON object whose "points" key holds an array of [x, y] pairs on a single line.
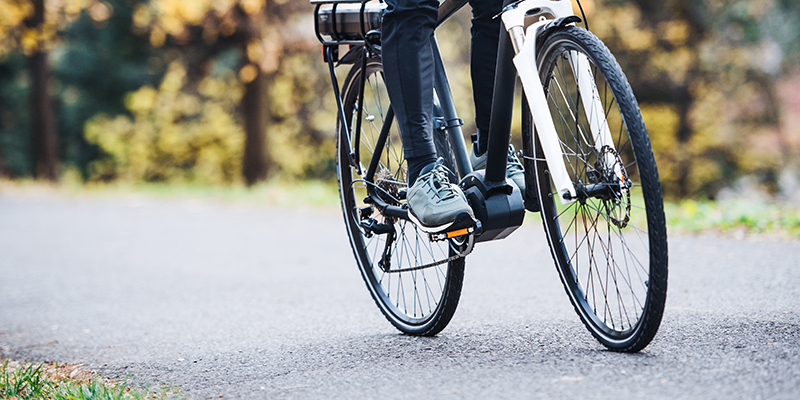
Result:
{"points": [[498, 206]]}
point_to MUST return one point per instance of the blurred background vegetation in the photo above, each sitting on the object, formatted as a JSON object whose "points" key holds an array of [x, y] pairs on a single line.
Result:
{"points": [[233, 92]]}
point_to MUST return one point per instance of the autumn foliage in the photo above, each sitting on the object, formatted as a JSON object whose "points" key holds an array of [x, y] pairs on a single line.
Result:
{"points": [[231, 91]]}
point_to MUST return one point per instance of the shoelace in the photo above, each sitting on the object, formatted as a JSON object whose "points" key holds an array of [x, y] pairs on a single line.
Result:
{"points": [[514, 164], [440, 183]]}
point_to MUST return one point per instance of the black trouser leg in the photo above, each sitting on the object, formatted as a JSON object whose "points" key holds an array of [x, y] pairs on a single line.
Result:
{"points": [[483, 60], [407, 59], [408, 67]]}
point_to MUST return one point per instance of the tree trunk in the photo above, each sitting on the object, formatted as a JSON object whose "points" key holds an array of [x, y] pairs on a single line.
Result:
{"points": [[255, 105], [45, 147], [2, 167]]}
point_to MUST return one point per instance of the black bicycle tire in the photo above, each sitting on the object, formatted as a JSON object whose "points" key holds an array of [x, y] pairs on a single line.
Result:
{"points": [[451, 292], [642, 333]]}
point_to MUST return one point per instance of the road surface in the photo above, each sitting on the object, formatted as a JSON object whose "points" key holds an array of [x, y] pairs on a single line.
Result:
{"points": [[243, 302]]}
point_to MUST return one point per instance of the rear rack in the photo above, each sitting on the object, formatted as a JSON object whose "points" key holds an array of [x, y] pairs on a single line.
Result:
{"points": [[345, 22]]}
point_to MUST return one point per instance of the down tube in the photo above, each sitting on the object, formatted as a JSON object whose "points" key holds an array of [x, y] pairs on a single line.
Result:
{"points": [[454, 131]]}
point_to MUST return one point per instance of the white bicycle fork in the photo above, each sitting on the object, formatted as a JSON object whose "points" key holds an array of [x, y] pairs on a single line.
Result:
{"points": [[525, 61]]}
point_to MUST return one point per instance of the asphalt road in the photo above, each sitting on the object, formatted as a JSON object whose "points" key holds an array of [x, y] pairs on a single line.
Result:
{"points": [[240, 302]]}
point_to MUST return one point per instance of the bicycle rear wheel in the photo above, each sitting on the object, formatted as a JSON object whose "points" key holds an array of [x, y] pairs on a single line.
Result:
{"points": [[610, 246], [418, 301]]}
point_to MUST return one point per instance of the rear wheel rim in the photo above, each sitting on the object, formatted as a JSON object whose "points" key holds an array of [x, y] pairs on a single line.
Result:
{"points": [[410, 300]]}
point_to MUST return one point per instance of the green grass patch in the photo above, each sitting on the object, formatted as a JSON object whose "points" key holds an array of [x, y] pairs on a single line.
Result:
{"points": [[736, 218], [20, 381], [747, 217], [273, 193]]}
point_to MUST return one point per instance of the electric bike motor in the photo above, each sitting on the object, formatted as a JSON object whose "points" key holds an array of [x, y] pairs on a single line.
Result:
{"points": [[497, 205]]}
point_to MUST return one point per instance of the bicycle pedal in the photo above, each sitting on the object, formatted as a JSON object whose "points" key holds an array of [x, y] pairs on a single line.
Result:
{"points": [[440, 236]]}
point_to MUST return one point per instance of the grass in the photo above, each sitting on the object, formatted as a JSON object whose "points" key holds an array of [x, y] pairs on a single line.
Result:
{"points": [[736, 218], [273, 193], [20, 381]]}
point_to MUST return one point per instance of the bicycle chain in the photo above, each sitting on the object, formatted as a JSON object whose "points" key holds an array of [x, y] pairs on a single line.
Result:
{"points": [[470, 244], [433, 264]]}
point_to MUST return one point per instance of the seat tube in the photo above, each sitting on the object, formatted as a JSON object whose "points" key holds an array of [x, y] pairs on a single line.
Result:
{"points": [[454, 132], [502, 111]]}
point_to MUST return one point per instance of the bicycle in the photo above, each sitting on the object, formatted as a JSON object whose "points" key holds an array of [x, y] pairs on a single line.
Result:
{"points": [[589, 171]]}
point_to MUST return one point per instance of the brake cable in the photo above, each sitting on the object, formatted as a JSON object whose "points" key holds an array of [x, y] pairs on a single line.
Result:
{"points": [[585, 21]]}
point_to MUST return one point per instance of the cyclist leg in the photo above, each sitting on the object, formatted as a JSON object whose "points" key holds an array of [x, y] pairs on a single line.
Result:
{"points": [[407, 60], [434, 203], [483, 57]]}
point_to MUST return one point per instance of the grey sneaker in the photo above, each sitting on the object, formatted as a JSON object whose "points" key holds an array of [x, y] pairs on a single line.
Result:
{"points": [[435, 204], [514, 169]]}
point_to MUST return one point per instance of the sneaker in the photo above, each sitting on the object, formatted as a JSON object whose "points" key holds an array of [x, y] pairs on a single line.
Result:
{"points": [[514, 169], [435, 204]]}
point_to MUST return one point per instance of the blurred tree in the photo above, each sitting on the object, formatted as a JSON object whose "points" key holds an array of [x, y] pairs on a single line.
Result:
{"points": [[705, 73], [31, 27], [98, 62], [175, 133], [15, 125], [258, 28], [44, 127]]}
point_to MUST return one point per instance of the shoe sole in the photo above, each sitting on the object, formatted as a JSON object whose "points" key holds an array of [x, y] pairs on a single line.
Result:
{"points": [[462, 221]]}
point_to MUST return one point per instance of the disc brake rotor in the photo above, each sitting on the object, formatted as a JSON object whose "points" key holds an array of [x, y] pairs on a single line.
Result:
{"points": [[617, 175]]}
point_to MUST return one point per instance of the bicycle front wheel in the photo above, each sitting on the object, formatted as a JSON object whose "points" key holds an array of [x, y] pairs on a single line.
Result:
{"points": [[610, 246], [396, 260]]}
